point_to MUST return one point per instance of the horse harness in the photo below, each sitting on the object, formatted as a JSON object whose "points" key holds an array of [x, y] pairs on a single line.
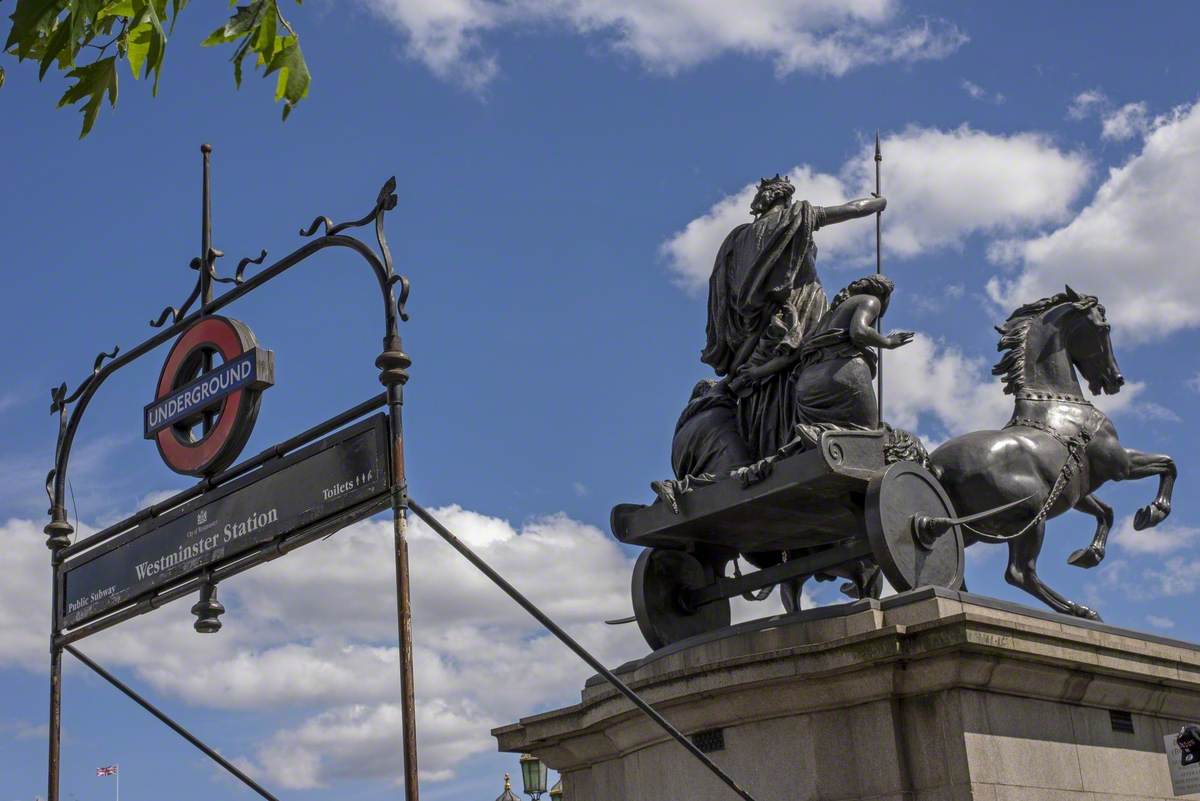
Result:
{"points": [[1076, 446]]}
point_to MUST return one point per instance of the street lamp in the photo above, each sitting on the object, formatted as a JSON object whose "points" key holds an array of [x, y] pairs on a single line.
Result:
{"points": [[534, 775]]}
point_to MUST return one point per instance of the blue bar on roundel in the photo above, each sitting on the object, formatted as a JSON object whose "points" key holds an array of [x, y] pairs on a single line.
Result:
{"points": [[251, 370]]}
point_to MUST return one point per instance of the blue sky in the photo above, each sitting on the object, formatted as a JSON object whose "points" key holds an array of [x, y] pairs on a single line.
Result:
{"points": [[565, 171]]}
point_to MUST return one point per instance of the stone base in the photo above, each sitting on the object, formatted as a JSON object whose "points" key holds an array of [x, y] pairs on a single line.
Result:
{"points": [[929, 695]]}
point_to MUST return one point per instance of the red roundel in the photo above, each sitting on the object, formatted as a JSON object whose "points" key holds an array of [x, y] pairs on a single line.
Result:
{"points": [[208, 396]]}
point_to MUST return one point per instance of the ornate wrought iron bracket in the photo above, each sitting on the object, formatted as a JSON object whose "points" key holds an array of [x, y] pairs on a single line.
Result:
{"points": [[173, 320]]}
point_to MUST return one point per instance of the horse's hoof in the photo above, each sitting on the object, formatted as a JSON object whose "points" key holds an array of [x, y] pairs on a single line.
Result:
{"points": [[1087, 614], [1085, 558], [1149, 516]]}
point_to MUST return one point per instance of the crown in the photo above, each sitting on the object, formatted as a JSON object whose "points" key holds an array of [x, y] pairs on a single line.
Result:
{"points": [[777, 180]]}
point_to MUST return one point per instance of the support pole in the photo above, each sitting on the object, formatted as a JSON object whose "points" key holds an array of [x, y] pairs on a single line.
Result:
{"points": [[393, 365], [55, 721], [879, 271], [58, 532], [579, 650], [175, 727]]}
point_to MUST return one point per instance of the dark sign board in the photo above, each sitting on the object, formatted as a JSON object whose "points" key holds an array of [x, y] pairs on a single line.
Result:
{"points": [[253, 369], [346, 470]]}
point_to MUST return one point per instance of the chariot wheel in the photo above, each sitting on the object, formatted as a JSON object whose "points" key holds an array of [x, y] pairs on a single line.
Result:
{"points": [[661, 578], [896, 498]]}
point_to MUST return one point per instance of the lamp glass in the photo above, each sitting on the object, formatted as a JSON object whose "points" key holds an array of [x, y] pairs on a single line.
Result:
{"points": [[534, 774]]}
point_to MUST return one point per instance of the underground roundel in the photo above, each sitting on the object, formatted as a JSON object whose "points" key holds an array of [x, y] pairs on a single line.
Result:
{"points": [[208, 396]]}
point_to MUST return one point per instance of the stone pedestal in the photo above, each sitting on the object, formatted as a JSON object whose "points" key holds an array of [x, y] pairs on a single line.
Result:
{"points": [[930, 695]]}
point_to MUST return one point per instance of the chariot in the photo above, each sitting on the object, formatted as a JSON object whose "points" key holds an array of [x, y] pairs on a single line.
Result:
{"points": [[835, 509]]}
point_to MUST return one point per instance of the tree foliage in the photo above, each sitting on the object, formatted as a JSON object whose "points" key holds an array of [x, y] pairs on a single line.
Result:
{"points": [[59, 33]]}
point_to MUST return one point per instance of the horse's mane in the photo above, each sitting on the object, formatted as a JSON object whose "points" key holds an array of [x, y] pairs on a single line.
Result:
{"points": [[1013, 335]]}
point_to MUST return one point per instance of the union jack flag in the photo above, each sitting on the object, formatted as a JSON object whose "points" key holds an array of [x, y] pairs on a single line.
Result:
{"points": [[111, 770]]}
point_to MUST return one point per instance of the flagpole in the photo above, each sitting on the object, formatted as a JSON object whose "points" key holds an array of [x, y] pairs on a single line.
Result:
{"points": [[118, 775], [879, 271]]}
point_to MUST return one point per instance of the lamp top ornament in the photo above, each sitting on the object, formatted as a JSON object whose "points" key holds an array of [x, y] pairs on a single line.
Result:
{"points": [[508, 794]]}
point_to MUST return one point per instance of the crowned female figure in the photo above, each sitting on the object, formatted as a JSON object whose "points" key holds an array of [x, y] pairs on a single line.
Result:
{"points": [[764, 299]]}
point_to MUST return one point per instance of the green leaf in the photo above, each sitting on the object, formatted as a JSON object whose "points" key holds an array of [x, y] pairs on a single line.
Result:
{"points": [[55, 44], [244, 20], [1, 77], [92, 81], [119, 8], [29, 18], [147, 41], [294, 78], [83, 18], [264, 38], [176, 7], [138, 49]]}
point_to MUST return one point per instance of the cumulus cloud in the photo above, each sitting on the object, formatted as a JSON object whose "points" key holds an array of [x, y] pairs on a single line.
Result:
{"points": [[1131, 245], [1130, 120], [934, 181], [315, 633], [1165, 538], [24, 614], [823, 36], [935, 388], [1086, 103]]}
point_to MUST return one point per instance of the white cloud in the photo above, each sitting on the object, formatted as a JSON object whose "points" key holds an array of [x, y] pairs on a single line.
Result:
{"points": [[690, 252], [1156, 412], [977, 92], [1163, 539], [933, 181], [929, 379], [824, 36], [1130, 120], [933, 388], [316, 630], [1160, 622], [24, 613], [1177, 576], [1132, 245], [1086, 103]]}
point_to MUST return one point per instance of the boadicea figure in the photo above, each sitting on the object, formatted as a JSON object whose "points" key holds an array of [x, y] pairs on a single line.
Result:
{"points": [[1057, 449], [764, 298], [791, 364]]}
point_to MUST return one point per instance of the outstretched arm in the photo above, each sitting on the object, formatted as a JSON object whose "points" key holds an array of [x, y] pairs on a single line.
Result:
{"points": [[863, 207], [862, 326]]}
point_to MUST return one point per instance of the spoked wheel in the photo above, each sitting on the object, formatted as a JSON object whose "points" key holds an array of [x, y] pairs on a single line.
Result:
{"points": [[897, 498], [661, 580]]}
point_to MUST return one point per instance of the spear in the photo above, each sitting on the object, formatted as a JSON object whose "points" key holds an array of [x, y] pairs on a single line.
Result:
{"points": [[879, 271]]}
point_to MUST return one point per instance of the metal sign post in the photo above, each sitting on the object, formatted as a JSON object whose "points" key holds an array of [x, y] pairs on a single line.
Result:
{"points": [[240, 515]]}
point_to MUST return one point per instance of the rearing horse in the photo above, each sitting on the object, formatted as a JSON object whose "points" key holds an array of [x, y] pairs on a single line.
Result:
{"points": [[1056, 450]]}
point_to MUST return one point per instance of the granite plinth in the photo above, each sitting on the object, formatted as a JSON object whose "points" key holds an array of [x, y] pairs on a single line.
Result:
{"points": [[930, 695]]}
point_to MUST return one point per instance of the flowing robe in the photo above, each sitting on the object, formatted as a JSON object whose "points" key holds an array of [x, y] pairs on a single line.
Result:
{"points": [[764, 298]]}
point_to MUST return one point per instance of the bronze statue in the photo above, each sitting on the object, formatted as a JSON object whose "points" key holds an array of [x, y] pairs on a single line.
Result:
{"points": [[764, 297], [1057, 449], [784, 460]]}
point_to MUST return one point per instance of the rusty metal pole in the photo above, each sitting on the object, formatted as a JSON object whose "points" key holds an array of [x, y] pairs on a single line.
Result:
{"points": [[393, 365], [55, 720], [58, 536]]}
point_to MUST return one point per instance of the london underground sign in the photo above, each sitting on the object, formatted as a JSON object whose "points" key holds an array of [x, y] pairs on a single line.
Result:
{"points": [[240, 514], [221, 401], [327, 484]]}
